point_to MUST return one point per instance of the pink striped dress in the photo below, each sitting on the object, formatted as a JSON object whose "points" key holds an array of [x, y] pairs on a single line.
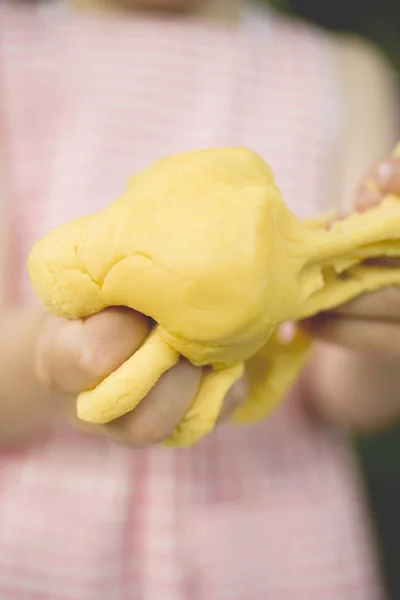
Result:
{"points": [[272, 512]]}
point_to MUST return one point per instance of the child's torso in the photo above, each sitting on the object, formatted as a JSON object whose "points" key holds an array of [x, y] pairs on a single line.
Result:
{"points": [[268, 512]]}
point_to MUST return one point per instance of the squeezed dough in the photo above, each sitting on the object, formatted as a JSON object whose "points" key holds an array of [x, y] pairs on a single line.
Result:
{"points": [[203, 243]]}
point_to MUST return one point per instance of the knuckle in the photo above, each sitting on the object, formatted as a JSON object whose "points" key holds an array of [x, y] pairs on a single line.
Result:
{"points": [[87, 358]]}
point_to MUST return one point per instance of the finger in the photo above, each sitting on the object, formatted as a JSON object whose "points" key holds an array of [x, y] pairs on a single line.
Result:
{"points": [[340, 216], [367, 199], [368, 193], [234, 398], [383, 305], [77, 355], [68, 404], [157, 415], [383, 178], [381, 340], [357, 411], [389, 176]]}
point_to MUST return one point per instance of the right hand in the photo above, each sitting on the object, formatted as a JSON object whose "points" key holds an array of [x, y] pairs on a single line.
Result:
{"points": [[73, 356]]}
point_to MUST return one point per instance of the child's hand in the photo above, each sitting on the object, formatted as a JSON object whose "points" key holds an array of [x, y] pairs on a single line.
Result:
{"points": [[73, 356], [354, 380], [370, 323]]}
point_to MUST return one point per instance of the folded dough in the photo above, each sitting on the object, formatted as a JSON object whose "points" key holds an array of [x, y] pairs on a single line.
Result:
{"points": [[203, 243]]}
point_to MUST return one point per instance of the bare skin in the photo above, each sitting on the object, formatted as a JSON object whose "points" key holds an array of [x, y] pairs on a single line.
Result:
{"points": [[45, 361], [73, 356], [354, 376]]}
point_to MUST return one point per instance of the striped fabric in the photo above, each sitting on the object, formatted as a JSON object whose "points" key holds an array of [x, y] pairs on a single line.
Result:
{"points": [[272, 512]]}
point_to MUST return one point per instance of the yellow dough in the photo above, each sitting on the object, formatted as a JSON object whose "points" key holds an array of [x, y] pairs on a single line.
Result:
{"points": [[203, 244]]}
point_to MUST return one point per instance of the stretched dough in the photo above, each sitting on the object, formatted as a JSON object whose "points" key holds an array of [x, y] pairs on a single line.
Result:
{"points": [[203, 244]]}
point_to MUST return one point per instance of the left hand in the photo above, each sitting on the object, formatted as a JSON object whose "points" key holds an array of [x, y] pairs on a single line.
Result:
{"points": [[369, 324], [353, 378]]}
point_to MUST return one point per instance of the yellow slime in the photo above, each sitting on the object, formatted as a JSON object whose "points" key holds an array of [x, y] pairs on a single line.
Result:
{"points": [[203, 244]]}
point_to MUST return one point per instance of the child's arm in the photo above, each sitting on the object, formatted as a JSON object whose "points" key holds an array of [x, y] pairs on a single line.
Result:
{"points": [[354, 379]]}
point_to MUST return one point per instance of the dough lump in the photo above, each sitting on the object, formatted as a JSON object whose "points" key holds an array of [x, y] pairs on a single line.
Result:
{"points": [[203, 243]]}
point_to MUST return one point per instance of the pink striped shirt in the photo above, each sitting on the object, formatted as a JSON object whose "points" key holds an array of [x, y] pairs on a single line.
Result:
{"points": [[272, 512]]}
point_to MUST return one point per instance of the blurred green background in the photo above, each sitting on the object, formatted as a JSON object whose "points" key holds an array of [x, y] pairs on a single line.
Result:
{"points": [[379, 21]]}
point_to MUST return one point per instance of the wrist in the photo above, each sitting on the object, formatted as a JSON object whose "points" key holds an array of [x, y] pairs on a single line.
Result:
{"points": [[26, 407]]}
